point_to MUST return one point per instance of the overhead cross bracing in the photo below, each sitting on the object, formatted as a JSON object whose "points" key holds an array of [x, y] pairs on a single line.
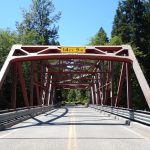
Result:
{"points": [[51, 69]]}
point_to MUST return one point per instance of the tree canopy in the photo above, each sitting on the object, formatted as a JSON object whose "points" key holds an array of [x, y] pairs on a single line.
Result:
{"points": [[131, 24], [39, 24], [100, 38]]}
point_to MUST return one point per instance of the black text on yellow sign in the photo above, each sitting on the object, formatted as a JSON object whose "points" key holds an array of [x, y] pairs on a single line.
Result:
{"points": [[73, 49]]}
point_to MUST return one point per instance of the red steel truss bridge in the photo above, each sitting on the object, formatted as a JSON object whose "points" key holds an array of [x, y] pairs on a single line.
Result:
{"points": [[92, 68], [43, 71]]}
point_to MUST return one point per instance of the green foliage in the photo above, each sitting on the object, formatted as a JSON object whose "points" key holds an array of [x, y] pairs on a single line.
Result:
{"points": [[100, 38], [116, 40], [7, 39], [128, 21], [30, 38], [131, 24], [75, 96], [38, 26], [72, 95]]}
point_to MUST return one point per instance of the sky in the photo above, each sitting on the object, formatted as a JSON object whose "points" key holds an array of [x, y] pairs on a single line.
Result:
{"points": [[80, 19]]}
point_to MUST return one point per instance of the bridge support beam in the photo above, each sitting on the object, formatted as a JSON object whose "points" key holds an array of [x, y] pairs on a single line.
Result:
{"points": [[14, 85], [47, 88], [92, 95], [22, 83], [50, 89], [125, 71], [95, 91], [43, 82], [112, 82], [31, 84], [98, 89], [36, 85], [120, 86], [128, 78], [107, 85]]}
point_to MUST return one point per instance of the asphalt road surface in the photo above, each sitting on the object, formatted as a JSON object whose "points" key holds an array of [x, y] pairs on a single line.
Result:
{"points": [[72, 128]]}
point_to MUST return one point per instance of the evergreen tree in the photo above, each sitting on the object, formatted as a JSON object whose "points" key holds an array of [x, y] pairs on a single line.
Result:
{"points": [[100, 38], [39, 24], [131, 24]]}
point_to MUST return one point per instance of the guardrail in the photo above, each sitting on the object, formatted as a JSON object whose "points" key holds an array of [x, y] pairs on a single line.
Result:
{"points": [[10, 118], [133, 115], [17, 109]]}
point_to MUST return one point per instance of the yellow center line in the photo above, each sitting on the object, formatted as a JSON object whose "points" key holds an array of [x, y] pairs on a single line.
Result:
{"points": [[72, 143]]}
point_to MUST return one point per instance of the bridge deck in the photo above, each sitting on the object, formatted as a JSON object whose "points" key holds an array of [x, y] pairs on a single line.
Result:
{"points": [[72, 128]]}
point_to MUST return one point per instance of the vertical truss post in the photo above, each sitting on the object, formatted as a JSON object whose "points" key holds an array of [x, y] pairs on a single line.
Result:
{"points": [[101, 83], [95, 91], [14, 85], [31, 84], [103, 78], [51, 94], [112, 82], [98, 90], [107, 84], [22, 83], [100, 94], [36, 84], [120, 86], [47, 89], [128, 78], [92, 95], [42, 82]]}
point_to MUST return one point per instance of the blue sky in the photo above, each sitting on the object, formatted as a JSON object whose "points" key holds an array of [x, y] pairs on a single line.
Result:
{"points": [[80, 20]]}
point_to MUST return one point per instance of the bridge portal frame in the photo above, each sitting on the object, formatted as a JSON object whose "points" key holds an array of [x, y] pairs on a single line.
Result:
{"points": [[99, 93]]}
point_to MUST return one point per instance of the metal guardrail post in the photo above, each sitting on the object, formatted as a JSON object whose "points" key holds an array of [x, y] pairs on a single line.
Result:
{"points": [[133, 115]]}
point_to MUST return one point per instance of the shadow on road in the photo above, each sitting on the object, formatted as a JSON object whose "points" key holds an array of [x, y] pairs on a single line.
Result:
{"points": [[40, 122], [64, 114]]}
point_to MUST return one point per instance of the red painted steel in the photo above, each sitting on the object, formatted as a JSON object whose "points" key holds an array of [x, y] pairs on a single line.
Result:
{"points": [[128, 78], [31, 84], [120, 86], [92, 70], [22, 83], [36, 85], [14, 86]]}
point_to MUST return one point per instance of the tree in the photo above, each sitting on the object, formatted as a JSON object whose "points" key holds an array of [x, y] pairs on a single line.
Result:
{"points": [[131, 24], [116, 40], [100, 38], [7, 39], [72, 95], [128, 20], [39, 24]]}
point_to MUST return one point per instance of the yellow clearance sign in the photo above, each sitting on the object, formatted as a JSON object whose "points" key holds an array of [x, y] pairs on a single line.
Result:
{"points": [[73, 49]]}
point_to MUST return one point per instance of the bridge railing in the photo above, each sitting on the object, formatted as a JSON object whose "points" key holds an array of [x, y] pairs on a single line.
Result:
{"points": [[8, 119], [133, 115]]}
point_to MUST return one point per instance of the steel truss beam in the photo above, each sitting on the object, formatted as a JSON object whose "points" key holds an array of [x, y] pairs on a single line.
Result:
{"points": [[70, 70]]}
